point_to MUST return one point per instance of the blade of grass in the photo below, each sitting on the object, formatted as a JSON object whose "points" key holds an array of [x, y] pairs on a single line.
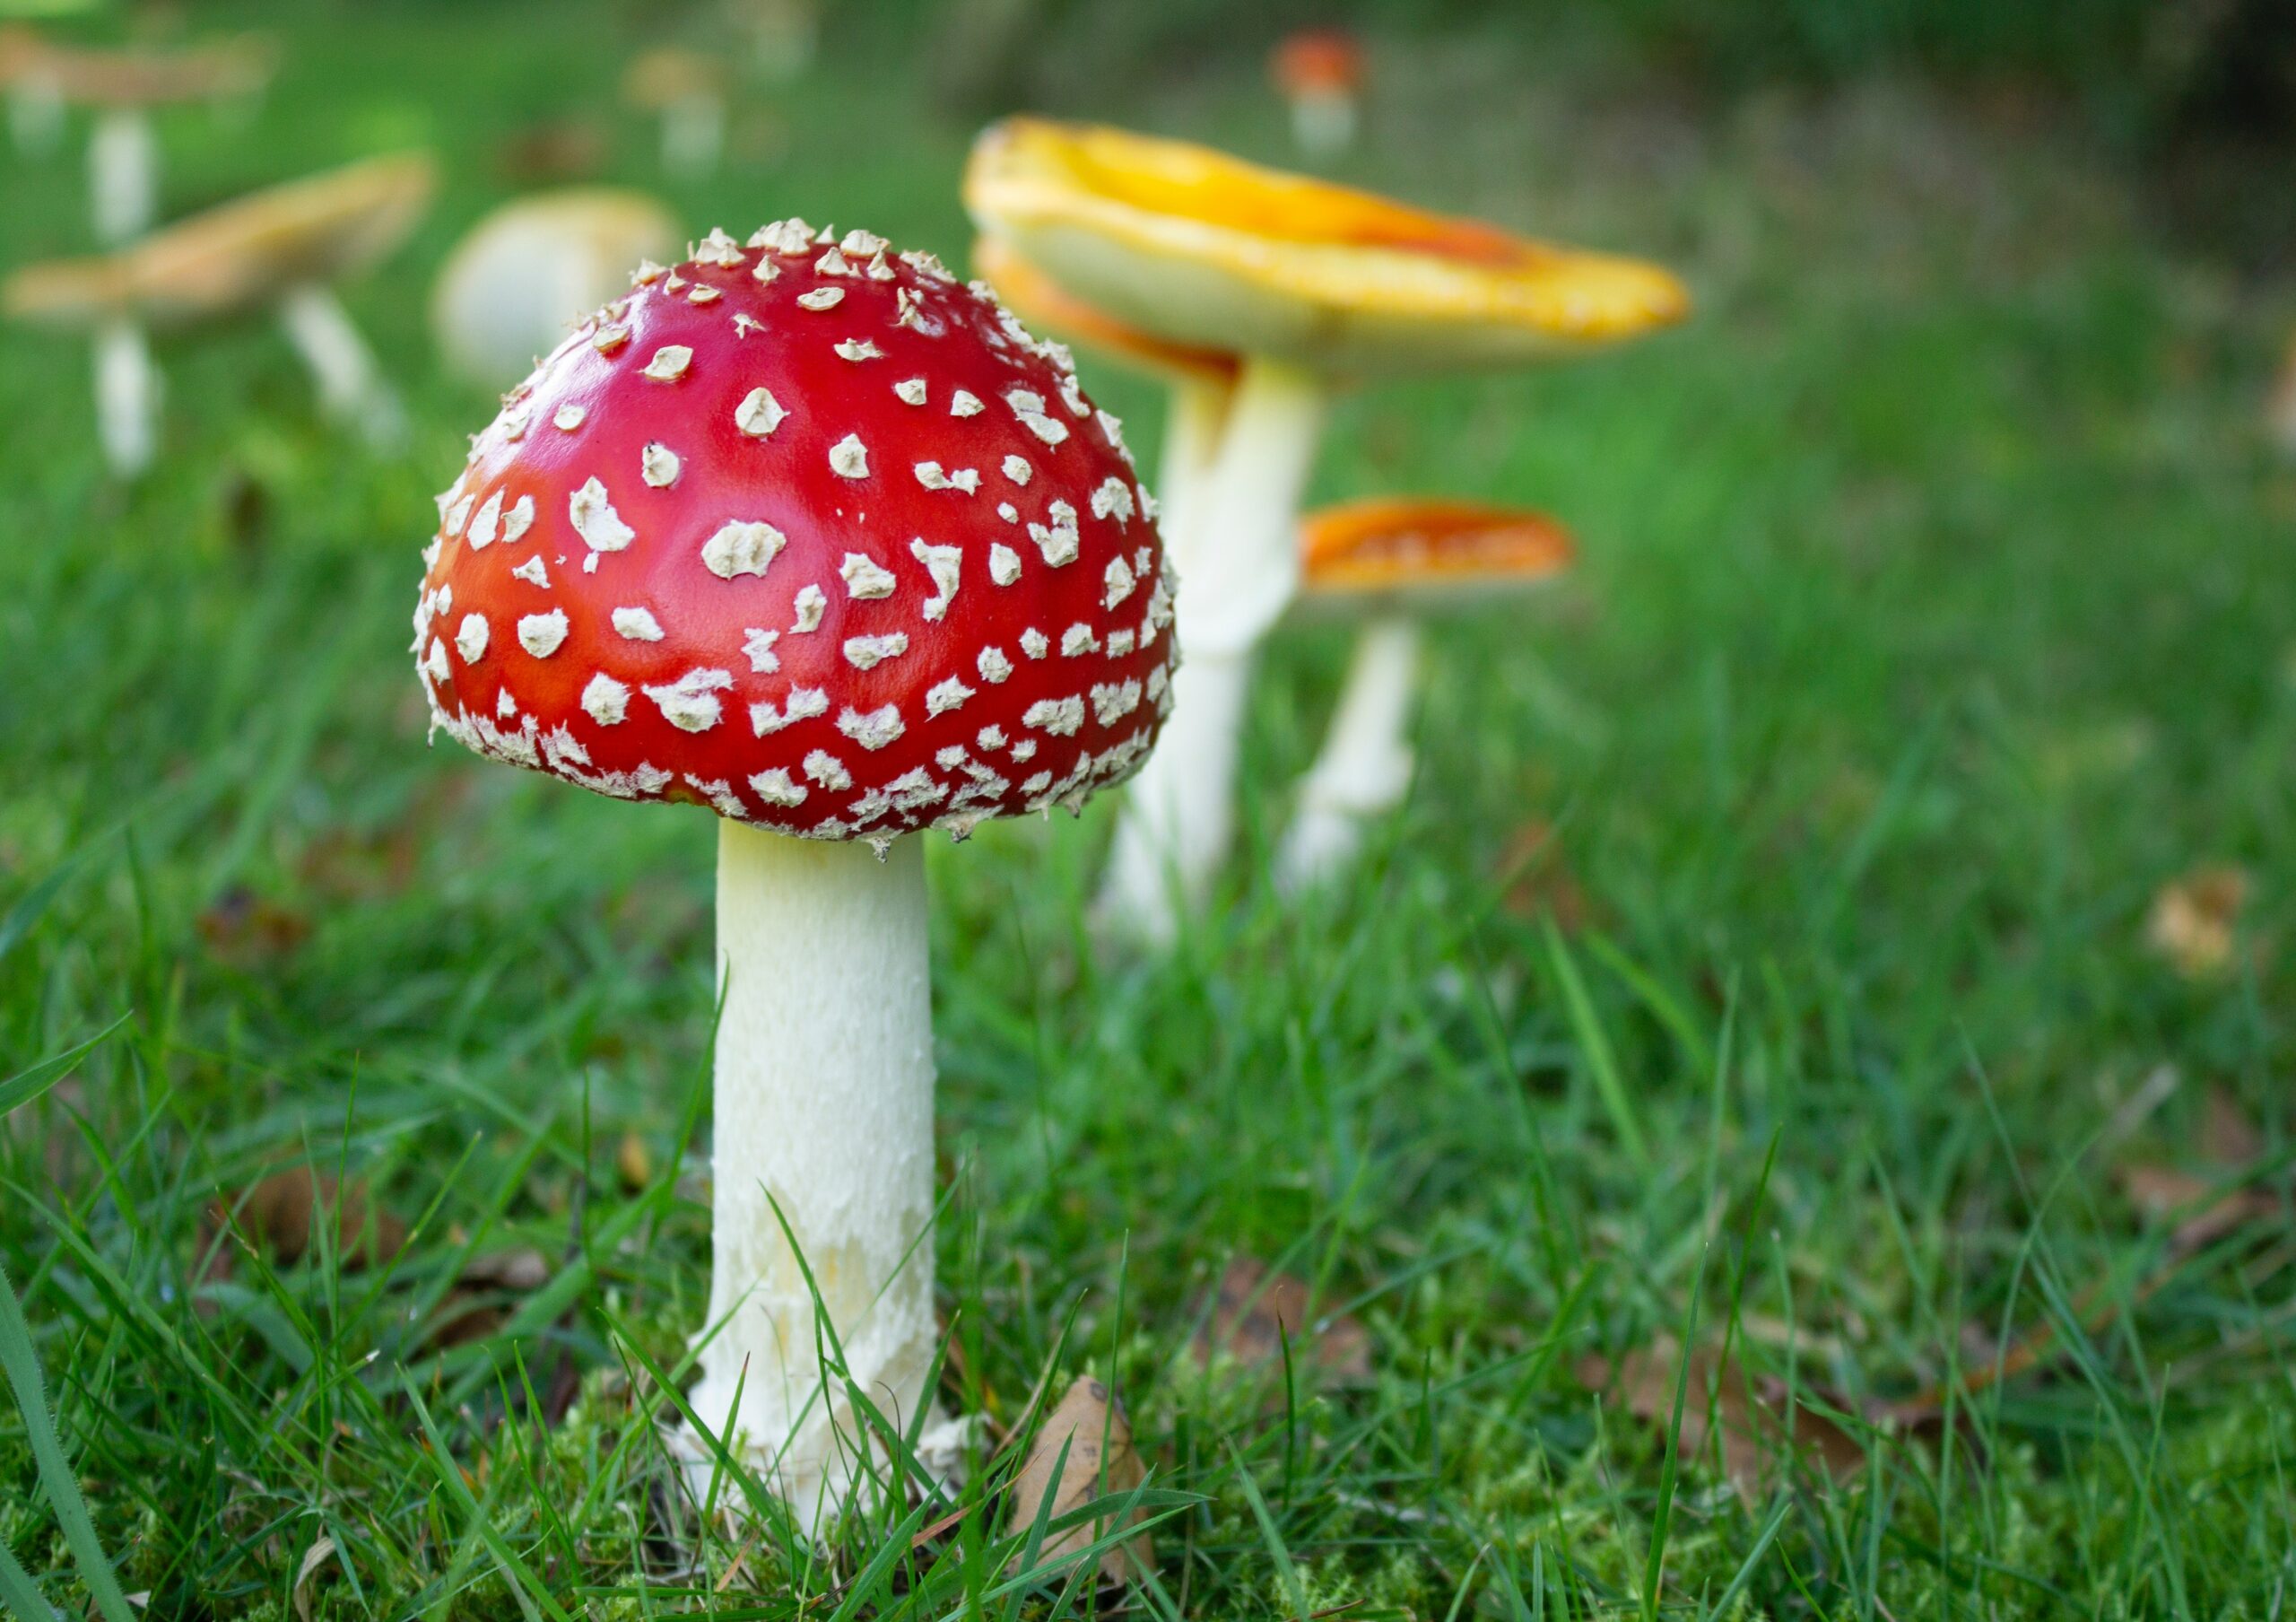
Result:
{"points": [[1594, 1044]]}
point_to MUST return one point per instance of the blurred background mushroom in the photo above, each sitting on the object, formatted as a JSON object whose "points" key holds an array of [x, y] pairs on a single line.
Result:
{"points": [[1312, 285], [686, 91], [2281, 413], [518, 280], [1319, 72], [121, 88], [1388, 563], [283, 248], [783, 35]]}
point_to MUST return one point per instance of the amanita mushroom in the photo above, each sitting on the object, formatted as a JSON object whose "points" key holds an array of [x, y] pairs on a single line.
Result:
{"points": [[530, 269], [280, 248], [687, 90], [122, 87], [1319, 72], [1388, 563], [1313, 285], [811, 535]]}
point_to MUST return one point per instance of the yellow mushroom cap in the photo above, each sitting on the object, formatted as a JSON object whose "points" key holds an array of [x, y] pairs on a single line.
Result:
{"points": [[240, 253], [1200, 249], [1418, 552], [1046, 306], [135, 78]]}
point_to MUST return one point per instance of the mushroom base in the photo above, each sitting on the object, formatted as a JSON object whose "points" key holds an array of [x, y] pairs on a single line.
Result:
{"points": [[823, 1135]]}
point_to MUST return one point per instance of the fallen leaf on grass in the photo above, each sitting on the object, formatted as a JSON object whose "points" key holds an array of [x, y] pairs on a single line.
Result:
{"points": [[2205, 1209], [242, 927], [276, 1213], [1753, 1412], [315, 1556], [2193, 917], [1257, 1311], [1101, 1460], [1537, 881]]}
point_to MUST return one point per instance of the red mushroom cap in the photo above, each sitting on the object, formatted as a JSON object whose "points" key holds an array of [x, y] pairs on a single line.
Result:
{"points": [[1318, 60], [811, 534]]}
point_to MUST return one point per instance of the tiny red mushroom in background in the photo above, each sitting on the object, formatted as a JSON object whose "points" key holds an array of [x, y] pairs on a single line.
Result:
{"points": [[1319, 72], [811, 534]]}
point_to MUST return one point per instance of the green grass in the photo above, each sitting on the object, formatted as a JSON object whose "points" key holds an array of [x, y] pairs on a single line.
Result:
{"points": [[1931, 615]]}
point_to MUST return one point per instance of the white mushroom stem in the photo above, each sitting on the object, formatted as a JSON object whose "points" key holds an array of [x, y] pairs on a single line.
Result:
{"points": [[1195, 412], [127, 398], [1364, 769], [124, 175], [693, 134], [1323, 121], [1239, 564], [350, 385], [825, 1108]]}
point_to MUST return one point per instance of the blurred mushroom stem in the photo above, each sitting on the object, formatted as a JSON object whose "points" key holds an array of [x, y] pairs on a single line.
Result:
{"points": [[1195, 414], [1364, 768], [123, 174], [128, 396], [350, 385], [823, 1123], [1238, 569], [693, 135], [1323, 121]]}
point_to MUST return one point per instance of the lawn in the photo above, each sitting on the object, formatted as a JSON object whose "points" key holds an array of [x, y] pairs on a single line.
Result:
{"points": [[1768, 961]]}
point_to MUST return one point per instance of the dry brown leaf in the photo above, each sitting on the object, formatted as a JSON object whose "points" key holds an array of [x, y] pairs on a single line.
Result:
{"points": [[2194, 918], [2227, 1136], [242, 927], [1538, 881], [633, 1162], [1257, 1310], [277, 1212], [1755, 1431], [315, 1556], [2161, 1192], [1101, 1460]]}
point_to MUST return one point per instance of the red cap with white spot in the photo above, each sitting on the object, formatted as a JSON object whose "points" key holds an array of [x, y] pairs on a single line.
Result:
{"points": [[809, 532]]}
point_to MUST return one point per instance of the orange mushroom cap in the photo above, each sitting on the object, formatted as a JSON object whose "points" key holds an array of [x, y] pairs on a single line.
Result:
{"points": [[1316, 59], [1417, 548], [136, 78], [1045, 304], [1200, 249]]}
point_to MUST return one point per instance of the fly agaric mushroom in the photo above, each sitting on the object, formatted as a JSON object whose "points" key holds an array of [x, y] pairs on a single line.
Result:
{"points": [[814, 535], [1199, 381], [122, 87], [282, 247], [1313, 285], [1388, 563], [531, 268], [687, 91], [1319, 72]]}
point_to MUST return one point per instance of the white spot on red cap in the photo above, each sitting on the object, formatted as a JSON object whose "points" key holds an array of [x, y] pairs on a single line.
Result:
{"points": [[1058, 540], [828, 770], [541, 633], [605, 700], [857, 349], [758, 647], [1119, 580], [990, 738], [946, 695], [1113, 498], [1078, 640], [872, 729], [865, 577], [810, 603], [470, 641], [1035, 643], [569, 417], [691, 703], [911, 391], [659, 464], [964, 403], [610, 339], [850, 457], [534, 571], [759, 413], [1113, 701], [742, 546], [638, 624], [595, 520], [518, 519], [868, 652], [942, 563], [487, 523], [803, 704], [669, 363], [1061, 717], [994, 664], [823, 298], [1017, 469], [776, 788], [1004, 563]]}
